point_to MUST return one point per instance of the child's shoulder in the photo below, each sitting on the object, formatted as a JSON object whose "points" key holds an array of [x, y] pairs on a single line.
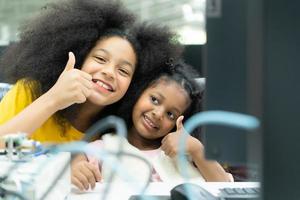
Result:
{"points": [[16, 99], [21, 92]]}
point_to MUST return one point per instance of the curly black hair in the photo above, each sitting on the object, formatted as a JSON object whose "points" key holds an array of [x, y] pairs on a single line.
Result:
{"points": [[76, 25], [45, 41], [177, 71], [61, 27], [158, 44]]}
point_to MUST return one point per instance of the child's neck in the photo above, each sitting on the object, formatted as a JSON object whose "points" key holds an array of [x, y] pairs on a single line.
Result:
{"points": [[141, 143]]}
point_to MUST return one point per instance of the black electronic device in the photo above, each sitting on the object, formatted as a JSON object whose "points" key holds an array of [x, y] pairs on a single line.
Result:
{"points": [[240, 193], [149, 197], [197, 192], [179, 192]]}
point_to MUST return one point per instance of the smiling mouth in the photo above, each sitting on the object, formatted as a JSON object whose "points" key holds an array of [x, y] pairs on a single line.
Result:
{"points": [[103, 85], [150, 123]]}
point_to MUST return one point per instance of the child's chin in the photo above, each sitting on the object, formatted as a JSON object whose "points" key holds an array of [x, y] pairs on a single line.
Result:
{"points": [[99, 101]]}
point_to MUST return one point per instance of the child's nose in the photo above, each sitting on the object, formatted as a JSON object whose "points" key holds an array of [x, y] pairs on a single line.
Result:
{"points": [[158, 113], [108, 72]]}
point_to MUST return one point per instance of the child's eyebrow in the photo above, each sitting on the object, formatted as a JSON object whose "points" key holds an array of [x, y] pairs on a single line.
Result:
{"points": [[102, 50], [128, 63], [160, 95], [123, 61], [176, 110], [163, 97]]}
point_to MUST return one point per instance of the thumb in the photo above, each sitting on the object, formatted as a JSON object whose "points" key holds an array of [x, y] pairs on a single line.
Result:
{"points": [[71, 62], [179, 124]]}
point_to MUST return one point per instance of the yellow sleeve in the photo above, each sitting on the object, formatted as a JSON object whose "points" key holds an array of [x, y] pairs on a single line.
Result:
{"points": [[18, 98], [15, 100]]}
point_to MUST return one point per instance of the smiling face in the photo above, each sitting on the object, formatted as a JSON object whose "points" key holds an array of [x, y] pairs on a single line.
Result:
{"points": [[111, 63], [156, 111]]}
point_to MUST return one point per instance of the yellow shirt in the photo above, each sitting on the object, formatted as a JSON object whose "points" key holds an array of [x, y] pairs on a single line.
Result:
{"points": [[20, 97]]}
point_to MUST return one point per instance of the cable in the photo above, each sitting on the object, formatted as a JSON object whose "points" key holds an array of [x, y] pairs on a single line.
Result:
{"points": [[108, 122], [211, 117], [60, 174], [10, 170], [55, 149], [4, 192], [81, 147], [14, 144], [115, 170]]}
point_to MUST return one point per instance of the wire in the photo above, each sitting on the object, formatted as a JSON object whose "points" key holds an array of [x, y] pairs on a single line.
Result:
{"points": [[121, 130], [103, 124], [4, 192], [109, 122], [10, 170], [60, 174], [18, 139], [124, 153], [81, 147], [211, 117]]}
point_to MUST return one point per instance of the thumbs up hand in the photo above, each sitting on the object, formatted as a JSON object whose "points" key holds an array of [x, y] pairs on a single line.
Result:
{"points": [[72, 86], [71, 62], [170, 143]]}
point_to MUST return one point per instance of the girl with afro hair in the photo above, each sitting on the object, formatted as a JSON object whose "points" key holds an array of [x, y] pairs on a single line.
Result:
{"points": [[73, 62]]}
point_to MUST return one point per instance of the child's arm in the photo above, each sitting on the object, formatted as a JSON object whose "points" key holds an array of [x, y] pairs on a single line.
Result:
{"points": [[211, 171], [83, 173], [73, 86]]}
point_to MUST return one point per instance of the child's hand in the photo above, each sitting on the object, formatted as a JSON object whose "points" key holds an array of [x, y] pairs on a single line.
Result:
{"points": [[84, 175], [170, 143], [72, 86]]}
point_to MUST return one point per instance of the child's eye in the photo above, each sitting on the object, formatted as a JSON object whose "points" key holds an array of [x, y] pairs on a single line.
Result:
{"points": [[171, 115], [124, 72], [101, 59], [154, 100]]}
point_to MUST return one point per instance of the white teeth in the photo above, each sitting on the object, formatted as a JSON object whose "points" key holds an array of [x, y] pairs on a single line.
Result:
{"points": [[105, 86], [101, 84], [149, 121]]}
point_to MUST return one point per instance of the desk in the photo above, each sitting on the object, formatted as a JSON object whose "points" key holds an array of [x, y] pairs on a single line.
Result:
{"points": [[123, 192], [33, 177]]}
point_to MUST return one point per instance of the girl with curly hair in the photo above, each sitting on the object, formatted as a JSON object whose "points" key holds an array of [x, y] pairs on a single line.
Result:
{"points": [[57, 95], [156, 114]]}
